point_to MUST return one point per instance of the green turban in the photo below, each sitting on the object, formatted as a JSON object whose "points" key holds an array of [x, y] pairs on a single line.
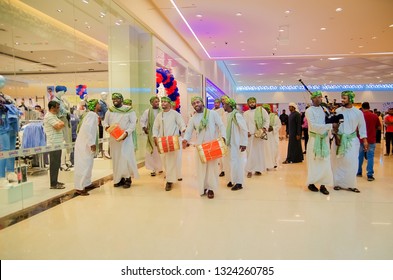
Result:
{"points": [[231, 102], [224, 99], [166, 99], [127, 102], [217, 100], [153, 98], [267, 107], [91, 104], [350, 94], [196, 98], [173, 104], [251, 99], [117, 95], [316, 94]]}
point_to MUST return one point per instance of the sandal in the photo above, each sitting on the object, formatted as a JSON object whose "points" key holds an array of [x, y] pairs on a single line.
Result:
{"points": [[337, 188], [82, 193], [354, 190]]}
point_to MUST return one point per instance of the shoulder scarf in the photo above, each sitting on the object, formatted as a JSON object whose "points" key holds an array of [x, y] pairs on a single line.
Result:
{"points": [[150, 121], [258, 117], [204, 120], [231, 118], [321, 149]]}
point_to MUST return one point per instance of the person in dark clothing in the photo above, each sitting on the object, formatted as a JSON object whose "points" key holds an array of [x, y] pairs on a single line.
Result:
{"points": [[284, 125], [295, 152]]}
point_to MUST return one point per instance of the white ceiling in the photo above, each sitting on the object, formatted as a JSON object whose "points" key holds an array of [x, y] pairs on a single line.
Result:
{"points": [[278, 42], [253, 49]]}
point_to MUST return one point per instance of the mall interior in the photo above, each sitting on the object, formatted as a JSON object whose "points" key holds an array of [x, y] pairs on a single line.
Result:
{"points": [[98, 47]]}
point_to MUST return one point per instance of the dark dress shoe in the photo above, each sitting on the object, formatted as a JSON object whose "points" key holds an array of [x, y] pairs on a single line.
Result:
{"points": [[258, 173], [286, 162], [90, 187], [120, 184], [82, 192], [237, 187], [168, 186], [180, 179], [210, 194], [323, 190], [230, 185], [222, 174], [312, 188]]}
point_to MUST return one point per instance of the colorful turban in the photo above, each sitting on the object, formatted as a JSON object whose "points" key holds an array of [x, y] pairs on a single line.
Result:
{"points": [[117, 95], [196, 98], [153, 98], [127, 102], [91, 104], [231, 102], [350, 94], [224, 99], [251, 99], [267, 107], [316, 94], [166, 99]]}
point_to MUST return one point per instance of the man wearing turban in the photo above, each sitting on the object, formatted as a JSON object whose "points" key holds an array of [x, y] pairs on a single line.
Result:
{"points": [[123, 118], [319, 170], [86, 147], [208, 126], [152, 160], [344, 155], [272, 138], [237, 140], [257, 119], [168, 123], [295, 150]]}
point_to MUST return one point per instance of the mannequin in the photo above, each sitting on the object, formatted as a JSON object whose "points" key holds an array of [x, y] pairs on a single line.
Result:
{"points": [[64, 116], [101, 114], [9, 127]]}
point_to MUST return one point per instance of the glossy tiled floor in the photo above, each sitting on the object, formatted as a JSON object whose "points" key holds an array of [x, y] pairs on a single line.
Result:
{"points": [[273, 217]]}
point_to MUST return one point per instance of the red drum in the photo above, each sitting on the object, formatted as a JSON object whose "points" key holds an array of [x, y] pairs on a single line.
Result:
{"points": [[116, 132], [168, 144], [212, 150]]}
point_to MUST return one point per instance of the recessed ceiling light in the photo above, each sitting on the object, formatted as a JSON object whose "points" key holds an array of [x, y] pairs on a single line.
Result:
{"points": [[335, 58], [59, 10], [237, 74], [323, 28], [241, 31], [360, 47], [212, 42], [239, 14], [85, 1], [260, 74], [233, 64], [102, 14], [262, 63], [307, 48], [241, 42], [314, 40], [391, 25], [374, 37], [287, 12], [339, 9], [199, 15], [288, 63], [243, 50]]}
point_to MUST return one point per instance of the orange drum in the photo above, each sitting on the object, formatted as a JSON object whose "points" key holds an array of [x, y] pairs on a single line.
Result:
{"points": [[212, 150], [168, 144], [116, 132]]}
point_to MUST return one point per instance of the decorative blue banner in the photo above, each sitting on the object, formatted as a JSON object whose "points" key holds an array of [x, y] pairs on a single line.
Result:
{"points": [[298, 88]]}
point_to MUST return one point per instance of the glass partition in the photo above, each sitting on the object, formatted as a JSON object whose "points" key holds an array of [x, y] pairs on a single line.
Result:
{"points": [[88, 47]]}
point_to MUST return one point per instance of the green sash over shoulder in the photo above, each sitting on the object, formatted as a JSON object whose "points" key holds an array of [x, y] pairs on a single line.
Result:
{"points": [[345, 143], [321, 149], [258, 117], [204, 120], [231, 118], [150, 122]]}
